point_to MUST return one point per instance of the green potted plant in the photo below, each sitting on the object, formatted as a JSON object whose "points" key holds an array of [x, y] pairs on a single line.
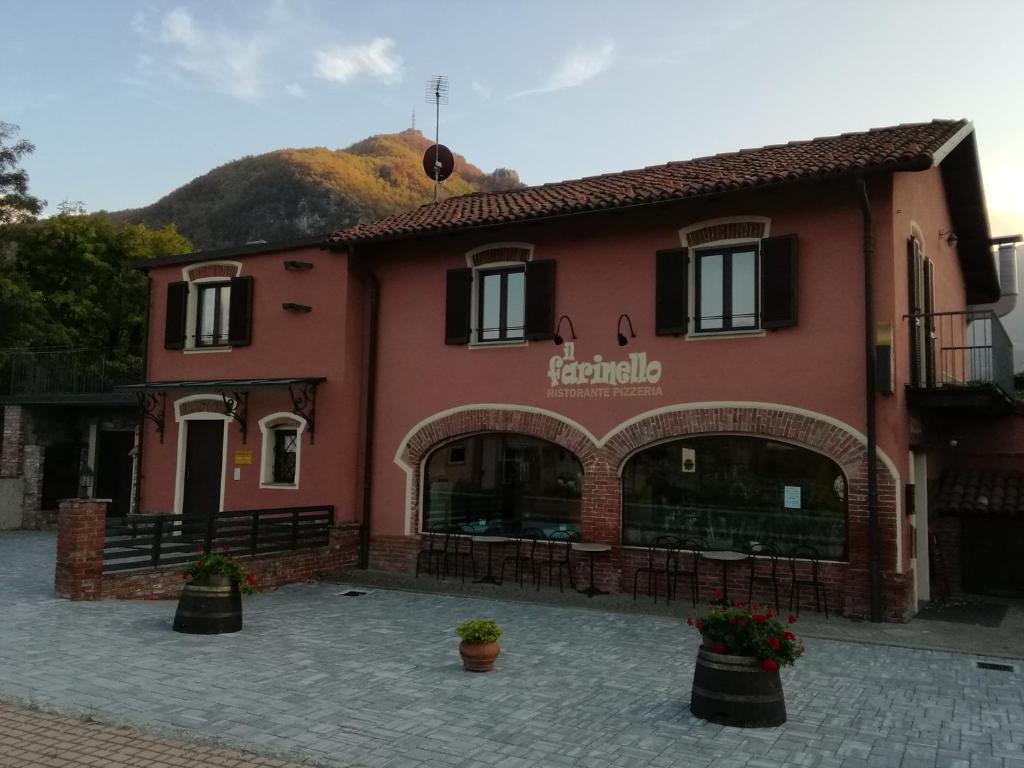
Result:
{"points": [[736, 679], [211, 600], [479, 647]]}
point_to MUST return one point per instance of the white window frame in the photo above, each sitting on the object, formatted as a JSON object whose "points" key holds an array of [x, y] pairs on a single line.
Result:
{"points": [[268, 425], [192, 306], [726, 243], [474, 302]]}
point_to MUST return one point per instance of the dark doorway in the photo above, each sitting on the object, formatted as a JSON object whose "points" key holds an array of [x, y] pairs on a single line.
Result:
{"points": [[61, 464], [114, 470], [204, 452]]}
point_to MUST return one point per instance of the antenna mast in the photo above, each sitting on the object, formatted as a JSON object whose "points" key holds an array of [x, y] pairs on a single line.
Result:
{"points": [[437, 94]]}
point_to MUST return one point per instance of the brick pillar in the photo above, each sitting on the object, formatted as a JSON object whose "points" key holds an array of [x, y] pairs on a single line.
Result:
{"points": [[79, 571], [12, 441]]}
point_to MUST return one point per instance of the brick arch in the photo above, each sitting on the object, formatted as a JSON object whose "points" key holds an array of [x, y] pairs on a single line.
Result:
{"points": [[421, 441]]}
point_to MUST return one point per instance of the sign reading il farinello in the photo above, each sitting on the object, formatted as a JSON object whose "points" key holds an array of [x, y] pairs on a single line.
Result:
{"points": [[636, 376]]}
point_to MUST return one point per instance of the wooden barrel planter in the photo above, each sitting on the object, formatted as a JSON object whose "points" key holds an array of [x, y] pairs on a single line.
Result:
{"points": [[211, 608], [734, 690]]}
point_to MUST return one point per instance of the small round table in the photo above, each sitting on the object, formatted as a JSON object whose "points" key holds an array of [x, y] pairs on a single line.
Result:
{"points": [[490, 541], [724, 556], [591, 549]]}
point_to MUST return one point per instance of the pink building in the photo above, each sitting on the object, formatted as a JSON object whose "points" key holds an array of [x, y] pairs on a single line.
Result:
{"points": [[683, 351]]}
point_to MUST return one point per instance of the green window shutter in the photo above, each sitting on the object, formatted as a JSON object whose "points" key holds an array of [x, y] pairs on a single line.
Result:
{"points": [[177, 304], [671, 292], [779, 281], [458, 288]]}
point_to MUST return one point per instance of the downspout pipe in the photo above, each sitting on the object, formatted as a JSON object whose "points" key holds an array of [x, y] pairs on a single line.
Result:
{"points": [[874, 569], [369, 406]]}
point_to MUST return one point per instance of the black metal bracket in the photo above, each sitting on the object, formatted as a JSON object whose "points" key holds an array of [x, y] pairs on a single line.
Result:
{"points": [[152, 406], [297, 266], [236, 405], [303, 396], [292, 307]]}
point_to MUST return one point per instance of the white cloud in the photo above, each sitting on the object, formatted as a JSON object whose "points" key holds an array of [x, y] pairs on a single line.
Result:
{"points": [[576, 68], [483, 90], [375, 59], [296, 90]]}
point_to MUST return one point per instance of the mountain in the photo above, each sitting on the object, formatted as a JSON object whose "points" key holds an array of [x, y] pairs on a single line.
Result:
{"points": [[293, 193]]}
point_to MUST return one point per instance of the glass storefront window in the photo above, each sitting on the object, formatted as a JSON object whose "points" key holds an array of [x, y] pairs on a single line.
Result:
{"points": [[733, 491], [502, 484]]}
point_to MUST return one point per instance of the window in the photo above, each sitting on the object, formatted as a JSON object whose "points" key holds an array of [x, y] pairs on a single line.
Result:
{"points": [[286, 449], [727, 289], [213, 309], [731, 491], [501, 303], [282, 449], [505, 484]]}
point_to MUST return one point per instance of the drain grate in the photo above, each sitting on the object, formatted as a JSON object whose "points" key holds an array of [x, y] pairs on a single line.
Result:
{"points": [[996, 666], [352, 593]]}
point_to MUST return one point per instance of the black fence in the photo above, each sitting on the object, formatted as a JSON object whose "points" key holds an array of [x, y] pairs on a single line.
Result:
{"points": [[164, 541], [52, 372], [960, 349]]}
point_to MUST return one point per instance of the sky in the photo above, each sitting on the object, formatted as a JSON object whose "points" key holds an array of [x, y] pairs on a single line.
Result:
{"points": [[128, 100]]}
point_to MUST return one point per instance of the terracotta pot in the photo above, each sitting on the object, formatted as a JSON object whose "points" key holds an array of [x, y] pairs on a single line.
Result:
{"points": [[479, 657]]}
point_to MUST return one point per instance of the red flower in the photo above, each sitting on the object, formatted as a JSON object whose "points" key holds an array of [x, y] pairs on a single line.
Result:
{"points": [[757, 618], [732, 620], [737, 604], [700, 626], [199, 548], [718, 594], [769, 665], [225, 549], [789, 636], [773, 642], [718, 648], [689, 621], [250, 580], [792, 618]]}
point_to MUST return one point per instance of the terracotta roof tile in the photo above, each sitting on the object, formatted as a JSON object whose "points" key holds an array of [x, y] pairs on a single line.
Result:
{"points": [[877, 149], [982, 493]]}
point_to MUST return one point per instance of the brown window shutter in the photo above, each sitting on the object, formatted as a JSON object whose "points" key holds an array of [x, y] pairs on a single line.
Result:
{"points": [[177, 303], [540, 300], [671, 292], [779, 281], [240, 312], [458, 285]]}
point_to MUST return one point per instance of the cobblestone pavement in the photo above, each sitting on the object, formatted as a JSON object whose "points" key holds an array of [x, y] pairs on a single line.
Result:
{"points": [[30, 738], [376, 681]]}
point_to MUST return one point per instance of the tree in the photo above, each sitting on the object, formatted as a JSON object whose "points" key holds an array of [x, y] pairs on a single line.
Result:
{"points": [[16, 204], [73, 283]]}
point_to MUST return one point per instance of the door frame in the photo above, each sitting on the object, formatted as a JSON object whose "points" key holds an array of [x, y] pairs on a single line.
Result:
{"points": [[921, 564], [182, 422]]}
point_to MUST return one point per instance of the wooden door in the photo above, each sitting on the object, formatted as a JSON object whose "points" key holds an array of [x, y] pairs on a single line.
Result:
{"points": [[204, 455]]}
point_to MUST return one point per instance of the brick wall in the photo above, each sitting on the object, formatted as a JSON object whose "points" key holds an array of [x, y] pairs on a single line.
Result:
{"points": [[601, 501], [79, 572], [13, 441]]}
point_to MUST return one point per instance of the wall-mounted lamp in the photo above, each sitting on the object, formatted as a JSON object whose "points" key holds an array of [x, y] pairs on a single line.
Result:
{"points": [[949, 236], [558, 337], [623, 341]]}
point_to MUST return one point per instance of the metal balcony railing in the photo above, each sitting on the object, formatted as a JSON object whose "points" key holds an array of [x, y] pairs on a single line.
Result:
{"points": [[960, 350], [56, 372]]}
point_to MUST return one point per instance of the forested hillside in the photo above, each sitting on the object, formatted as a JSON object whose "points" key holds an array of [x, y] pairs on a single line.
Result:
{"points": [[293, 193]]}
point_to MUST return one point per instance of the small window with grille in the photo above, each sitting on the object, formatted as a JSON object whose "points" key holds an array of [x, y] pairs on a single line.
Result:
{"points": [[282, 450], [286, 449]]}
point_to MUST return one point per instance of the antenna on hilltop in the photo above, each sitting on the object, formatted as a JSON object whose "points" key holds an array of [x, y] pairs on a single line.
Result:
{"points": [[413, 126], [438, 162]]}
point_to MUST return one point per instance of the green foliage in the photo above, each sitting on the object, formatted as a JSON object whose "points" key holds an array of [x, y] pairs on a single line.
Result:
{"points": [[478, 631], [219, 564], [745, 630], [16, 204], [70, 281], [296, 193]]}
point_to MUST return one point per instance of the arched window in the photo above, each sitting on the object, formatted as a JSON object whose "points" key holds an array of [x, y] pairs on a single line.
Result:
{"points": [[733, 491], [502, 483]]}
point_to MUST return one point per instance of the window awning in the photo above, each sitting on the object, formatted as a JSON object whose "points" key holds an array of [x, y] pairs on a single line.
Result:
{"points": [[234, 392]]}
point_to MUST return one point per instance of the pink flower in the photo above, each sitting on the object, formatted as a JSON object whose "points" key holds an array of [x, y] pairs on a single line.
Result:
{"points": [[789, 636], [757, 618], [769, 665], [689, 621], [773, 642], [792, 618]]}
